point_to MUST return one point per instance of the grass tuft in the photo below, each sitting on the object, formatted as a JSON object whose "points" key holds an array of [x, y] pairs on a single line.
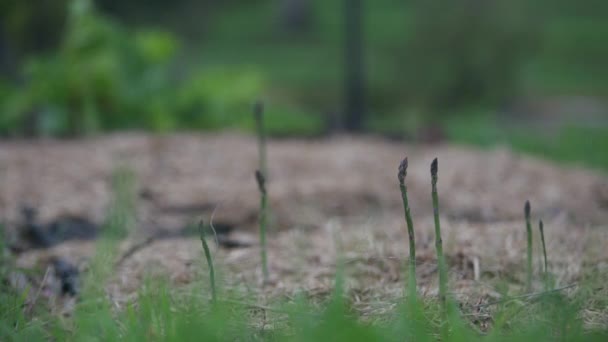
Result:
{"points": [[402, 173]]}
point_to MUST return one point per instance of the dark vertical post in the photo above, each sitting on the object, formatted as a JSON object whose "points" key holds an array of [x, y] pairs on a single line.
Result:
{"points": [[354, 80], [6, 66]]}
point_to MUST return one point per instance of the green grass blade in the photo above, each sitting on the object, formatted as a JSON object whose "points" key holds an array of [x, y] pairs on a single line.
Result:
{"points": [[209, 262]]}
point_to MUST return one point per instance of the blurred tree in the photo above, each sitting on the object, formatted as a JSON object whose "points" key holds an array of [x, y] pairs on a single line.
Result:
{"points": [[467, 51], [97, 72], [6, 58], [106, 77], [354, 80], [27, 27], [188, 18]]}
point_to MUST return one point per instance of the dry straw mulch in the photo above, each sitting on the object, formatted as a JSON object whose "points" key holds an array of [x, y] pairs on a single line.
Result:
{"points": [[331, 197]]}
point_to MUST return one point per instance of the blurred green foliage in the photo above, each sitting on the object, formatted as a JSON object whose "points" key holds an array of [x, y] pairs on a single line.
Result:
{"points": [[568, 143], [104, 77], [422, 57], [467, 52], [427, 63]]}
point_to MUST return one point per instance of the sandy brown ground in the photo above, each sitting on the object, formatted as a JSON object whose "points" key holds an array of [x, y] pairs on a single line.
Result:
{"points": [[330, 197]]}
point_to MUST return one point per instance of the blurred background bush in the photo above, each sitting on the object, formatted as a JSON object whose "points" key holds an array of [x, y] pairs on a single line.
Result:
{"points": [[527, 73]]}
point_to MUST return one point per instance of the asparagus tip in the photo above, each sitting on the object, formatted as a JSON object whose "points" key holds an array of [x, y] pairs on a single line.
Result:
{"points": [[527, 209], [261, 181], [434, 168], [402, 170]]}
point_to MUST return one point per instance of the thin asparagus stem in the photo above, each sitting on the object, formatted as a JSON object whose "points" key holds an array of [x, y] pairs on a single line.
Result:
{"points": [[263, 207], [258, 114], [529, 250], [542, 239], [438, 242], [410, 228]]}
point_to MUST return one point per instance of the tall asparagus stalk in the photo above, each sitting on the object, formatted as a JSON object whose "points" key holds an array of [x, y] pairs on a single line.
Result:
{"points": [[443, 279], [258, 114], [263, 208], [410, 229], [542, 239], [529, 250]]}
